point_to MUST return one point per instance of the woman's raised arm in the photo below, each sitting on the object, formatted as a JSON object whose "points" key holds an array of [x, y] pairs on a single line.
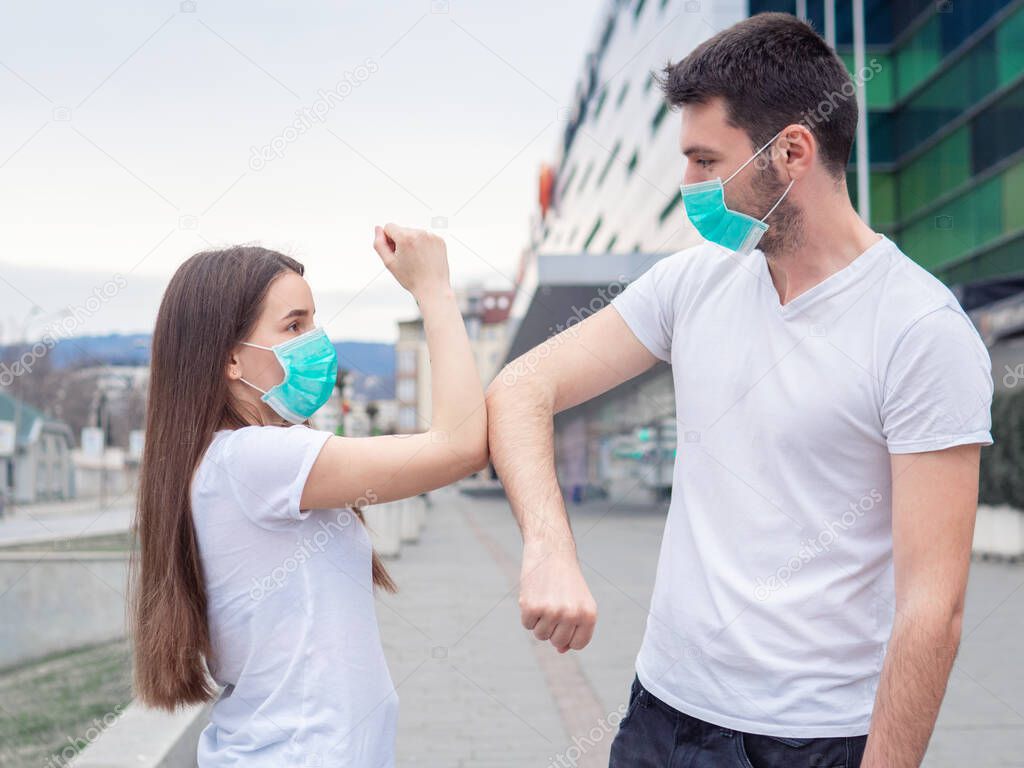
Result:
{"points": [[388, 467]]}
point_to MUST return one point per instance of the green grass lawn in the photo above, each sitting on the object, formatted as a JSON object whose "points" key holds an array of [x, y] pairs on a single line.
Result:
{"points": [[113, 542], [65, 696]]}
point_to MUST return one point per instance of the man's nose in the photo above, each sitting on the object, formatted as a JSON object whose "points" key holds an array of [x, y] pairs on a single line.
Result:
{"points": [[694, 175]]}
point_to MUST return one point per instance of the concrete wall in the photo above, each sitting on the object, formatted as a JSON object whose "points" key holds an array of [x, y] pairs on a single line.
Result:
{"points": [[59, 601]]}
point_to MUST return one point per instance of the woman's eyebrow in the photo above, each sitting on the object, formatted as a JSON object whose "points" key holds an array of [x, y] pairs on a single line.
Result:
{"points": [[296, 313]]}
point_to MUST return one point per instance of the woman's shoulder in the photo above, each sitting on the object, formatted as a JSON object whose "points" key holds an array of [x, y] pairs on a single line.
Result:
{"points": [[261, 468]]}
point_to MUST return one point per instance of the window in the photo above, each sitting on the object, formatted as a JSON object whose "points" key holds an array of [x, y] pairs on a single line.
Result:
{"points": [[586, 175], [568, 180], [659, 116], [407, 361], [406, 390], [622, 95], [632, 163], [608, 164], [593, 233], [673, 202], [407, 419]]}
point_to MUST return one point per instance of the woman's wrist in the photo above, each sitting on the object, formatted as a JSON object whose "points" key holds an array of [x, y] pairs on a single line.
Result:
{"points": [[440, 293]]}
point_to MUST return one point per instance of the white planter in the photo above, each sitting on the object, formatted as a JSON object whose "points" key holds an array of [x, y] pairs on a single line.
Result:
{"points": [[384, 522], [412, 518], [999, 532]]}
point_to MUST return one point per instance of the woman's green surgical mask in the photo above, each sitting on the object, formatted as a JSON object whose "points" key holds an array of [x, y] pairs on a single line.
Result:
{"points": [[310, 367], [706, 209]]}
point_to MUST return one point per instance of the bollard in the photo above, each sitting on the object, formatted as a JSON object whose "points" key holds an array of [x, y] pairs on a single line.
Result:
{"points": [[383, 522], [410, 521]]}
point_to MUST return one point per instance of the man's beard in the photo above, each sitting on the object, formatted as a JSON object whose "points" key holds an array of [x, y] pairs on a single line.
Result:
{"points": [[785, 224]]}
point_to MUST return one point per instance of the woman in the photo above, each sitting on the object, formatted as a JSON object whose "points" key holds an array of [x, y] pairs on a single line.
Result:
{"points": [[251, 565]]}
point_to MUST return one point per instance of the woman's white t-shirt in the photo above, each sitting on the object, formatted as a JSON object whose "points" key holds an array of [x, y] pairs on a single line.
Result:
{"points": [[291, 612]]}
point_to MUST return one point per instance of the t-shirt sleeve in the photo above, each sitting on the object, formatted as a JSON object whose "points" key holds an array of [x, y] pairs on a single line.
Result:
{"points": [[266, 469], [647, 307], [937, 390]]}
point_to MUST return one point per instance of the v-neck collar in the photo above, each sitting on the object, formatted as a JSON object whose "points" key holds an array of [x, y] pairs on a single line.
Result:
{"points": [[830, 286]]}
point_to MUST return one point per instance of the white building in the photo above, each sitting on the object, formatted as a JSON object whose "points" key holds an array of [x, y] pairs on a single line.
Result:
{"points": [[610, 208], [486, 315], [35, 454]]}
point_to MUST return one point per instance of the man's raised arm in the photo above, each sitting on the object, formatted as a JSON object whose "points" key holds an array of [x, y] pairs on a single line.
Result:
{"points": [[576, 365]]}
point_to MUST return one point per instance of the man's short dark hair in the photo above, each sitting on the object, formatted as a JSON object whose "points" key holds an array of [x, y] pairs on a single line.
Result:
{"points": [[772, 70]]}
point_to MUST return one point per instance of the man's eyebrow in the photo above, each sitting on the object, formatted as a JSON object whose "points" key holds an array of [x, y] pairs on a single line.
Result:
{"points": [[698, 149]]}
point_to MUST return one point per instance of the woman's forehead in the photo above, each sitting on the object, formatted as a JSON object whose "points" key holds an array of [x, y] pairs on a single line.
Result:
{"points": [[288, 292]]}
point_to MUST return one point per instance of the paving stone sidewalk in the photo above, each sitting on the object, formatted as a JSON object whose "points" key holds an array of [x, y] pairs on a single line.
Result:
{"points": [[477, 690]]}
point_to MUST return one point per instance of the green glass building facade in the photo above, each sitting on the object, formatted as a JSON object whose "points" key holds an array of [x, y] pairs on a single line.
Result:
{"points": [[945, 97]]}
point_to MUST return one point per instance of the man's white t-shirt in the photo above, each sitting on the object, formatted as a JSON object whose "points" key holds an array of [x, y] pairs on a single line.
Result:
{"points": [[774, 595], [291, 612]]}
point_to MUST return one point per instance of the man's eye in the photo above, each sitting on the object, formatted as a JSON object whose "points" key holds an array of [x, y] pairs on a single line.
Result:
{"points": [[703, 163]]}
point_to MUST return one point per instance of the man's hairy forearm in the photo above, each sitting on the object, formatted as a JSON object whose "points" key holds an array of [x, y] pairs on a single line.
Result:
{"points": [[521, 439], [917, 664]]}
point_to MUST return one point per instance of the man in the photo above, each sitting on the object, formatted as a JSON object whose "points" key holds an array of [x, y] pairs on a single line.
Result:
{"points": [[833, 396]]}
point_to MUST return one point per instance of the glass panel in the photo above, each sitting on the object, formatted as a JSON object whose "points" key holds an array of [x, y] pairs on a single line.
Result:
{"points": [[883, 198], [957, 227], [918, 57], [996, 132], [1007, 259], [1013, 198], [941, 169], [878, 78], [1010, 44]]}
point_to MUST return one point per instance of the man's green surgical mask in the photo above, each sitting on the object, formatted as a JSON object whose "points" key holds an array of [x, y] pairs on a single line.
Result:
{"points": [[705, 207]]}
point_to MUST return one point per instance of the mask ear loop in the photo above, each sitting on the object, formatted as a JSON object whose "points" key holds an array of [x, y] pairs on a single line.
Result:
{"points": [[791, 182], [259, 346], [751, 158], [252, 385]]}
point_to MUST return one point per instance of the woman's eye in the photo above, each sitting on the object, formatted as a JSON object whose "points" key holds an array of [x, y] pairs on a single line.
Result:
{"points": [[294, 326]]}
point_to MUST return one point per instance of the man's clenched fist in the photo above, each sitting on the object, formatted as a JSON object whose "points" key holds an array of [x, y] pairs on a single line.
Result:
{"points": [[554, 599]]}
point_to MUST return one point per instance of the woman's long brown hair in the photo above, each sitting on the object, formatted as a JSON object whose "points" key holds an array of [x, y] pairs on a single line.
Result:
{"points": [[211, 304]]}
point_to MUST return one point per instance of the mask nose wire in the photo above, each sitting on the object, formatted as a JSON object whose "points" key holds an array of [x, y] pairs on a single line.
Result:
{"points": [[751, 158]]}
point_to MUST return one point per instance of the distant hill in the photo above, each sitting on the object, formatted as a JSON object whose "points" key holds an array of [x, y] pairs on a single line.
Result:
{"points": [[372, 363]]}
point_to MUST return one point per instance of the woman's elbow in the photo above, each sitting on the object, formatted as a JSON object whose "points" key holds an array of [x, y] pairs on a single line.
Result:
{"points": [[479, 456]]}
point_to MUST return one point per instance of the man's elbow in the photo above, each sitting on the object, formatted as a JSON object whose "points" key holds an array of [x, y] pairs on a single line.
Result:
{"points": [[517, 386]]}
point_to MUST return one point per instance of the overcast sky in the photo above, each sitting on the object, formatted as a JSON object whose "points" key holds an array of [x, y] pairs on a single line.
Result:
{"points": [[130, 131]]}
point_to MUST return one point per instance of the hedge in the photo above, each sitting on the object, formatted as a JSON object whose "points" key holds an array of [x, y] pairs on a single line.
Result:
{"points": [[1002, 463]]}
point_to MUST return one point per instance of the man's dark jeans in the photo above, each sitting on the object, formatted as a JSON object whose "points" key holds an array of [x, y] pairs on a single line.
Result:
{"points": [[654, 735]]}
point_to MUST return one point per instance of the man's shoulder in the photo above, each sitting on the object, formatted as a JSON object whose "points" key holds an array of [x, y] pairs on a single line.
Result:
{"points": [[907, 291]]}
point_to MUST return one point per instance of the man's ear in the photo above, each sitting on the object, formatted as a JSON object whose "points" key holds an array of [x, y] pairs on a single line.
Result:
{"points": [[797, 149]]}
